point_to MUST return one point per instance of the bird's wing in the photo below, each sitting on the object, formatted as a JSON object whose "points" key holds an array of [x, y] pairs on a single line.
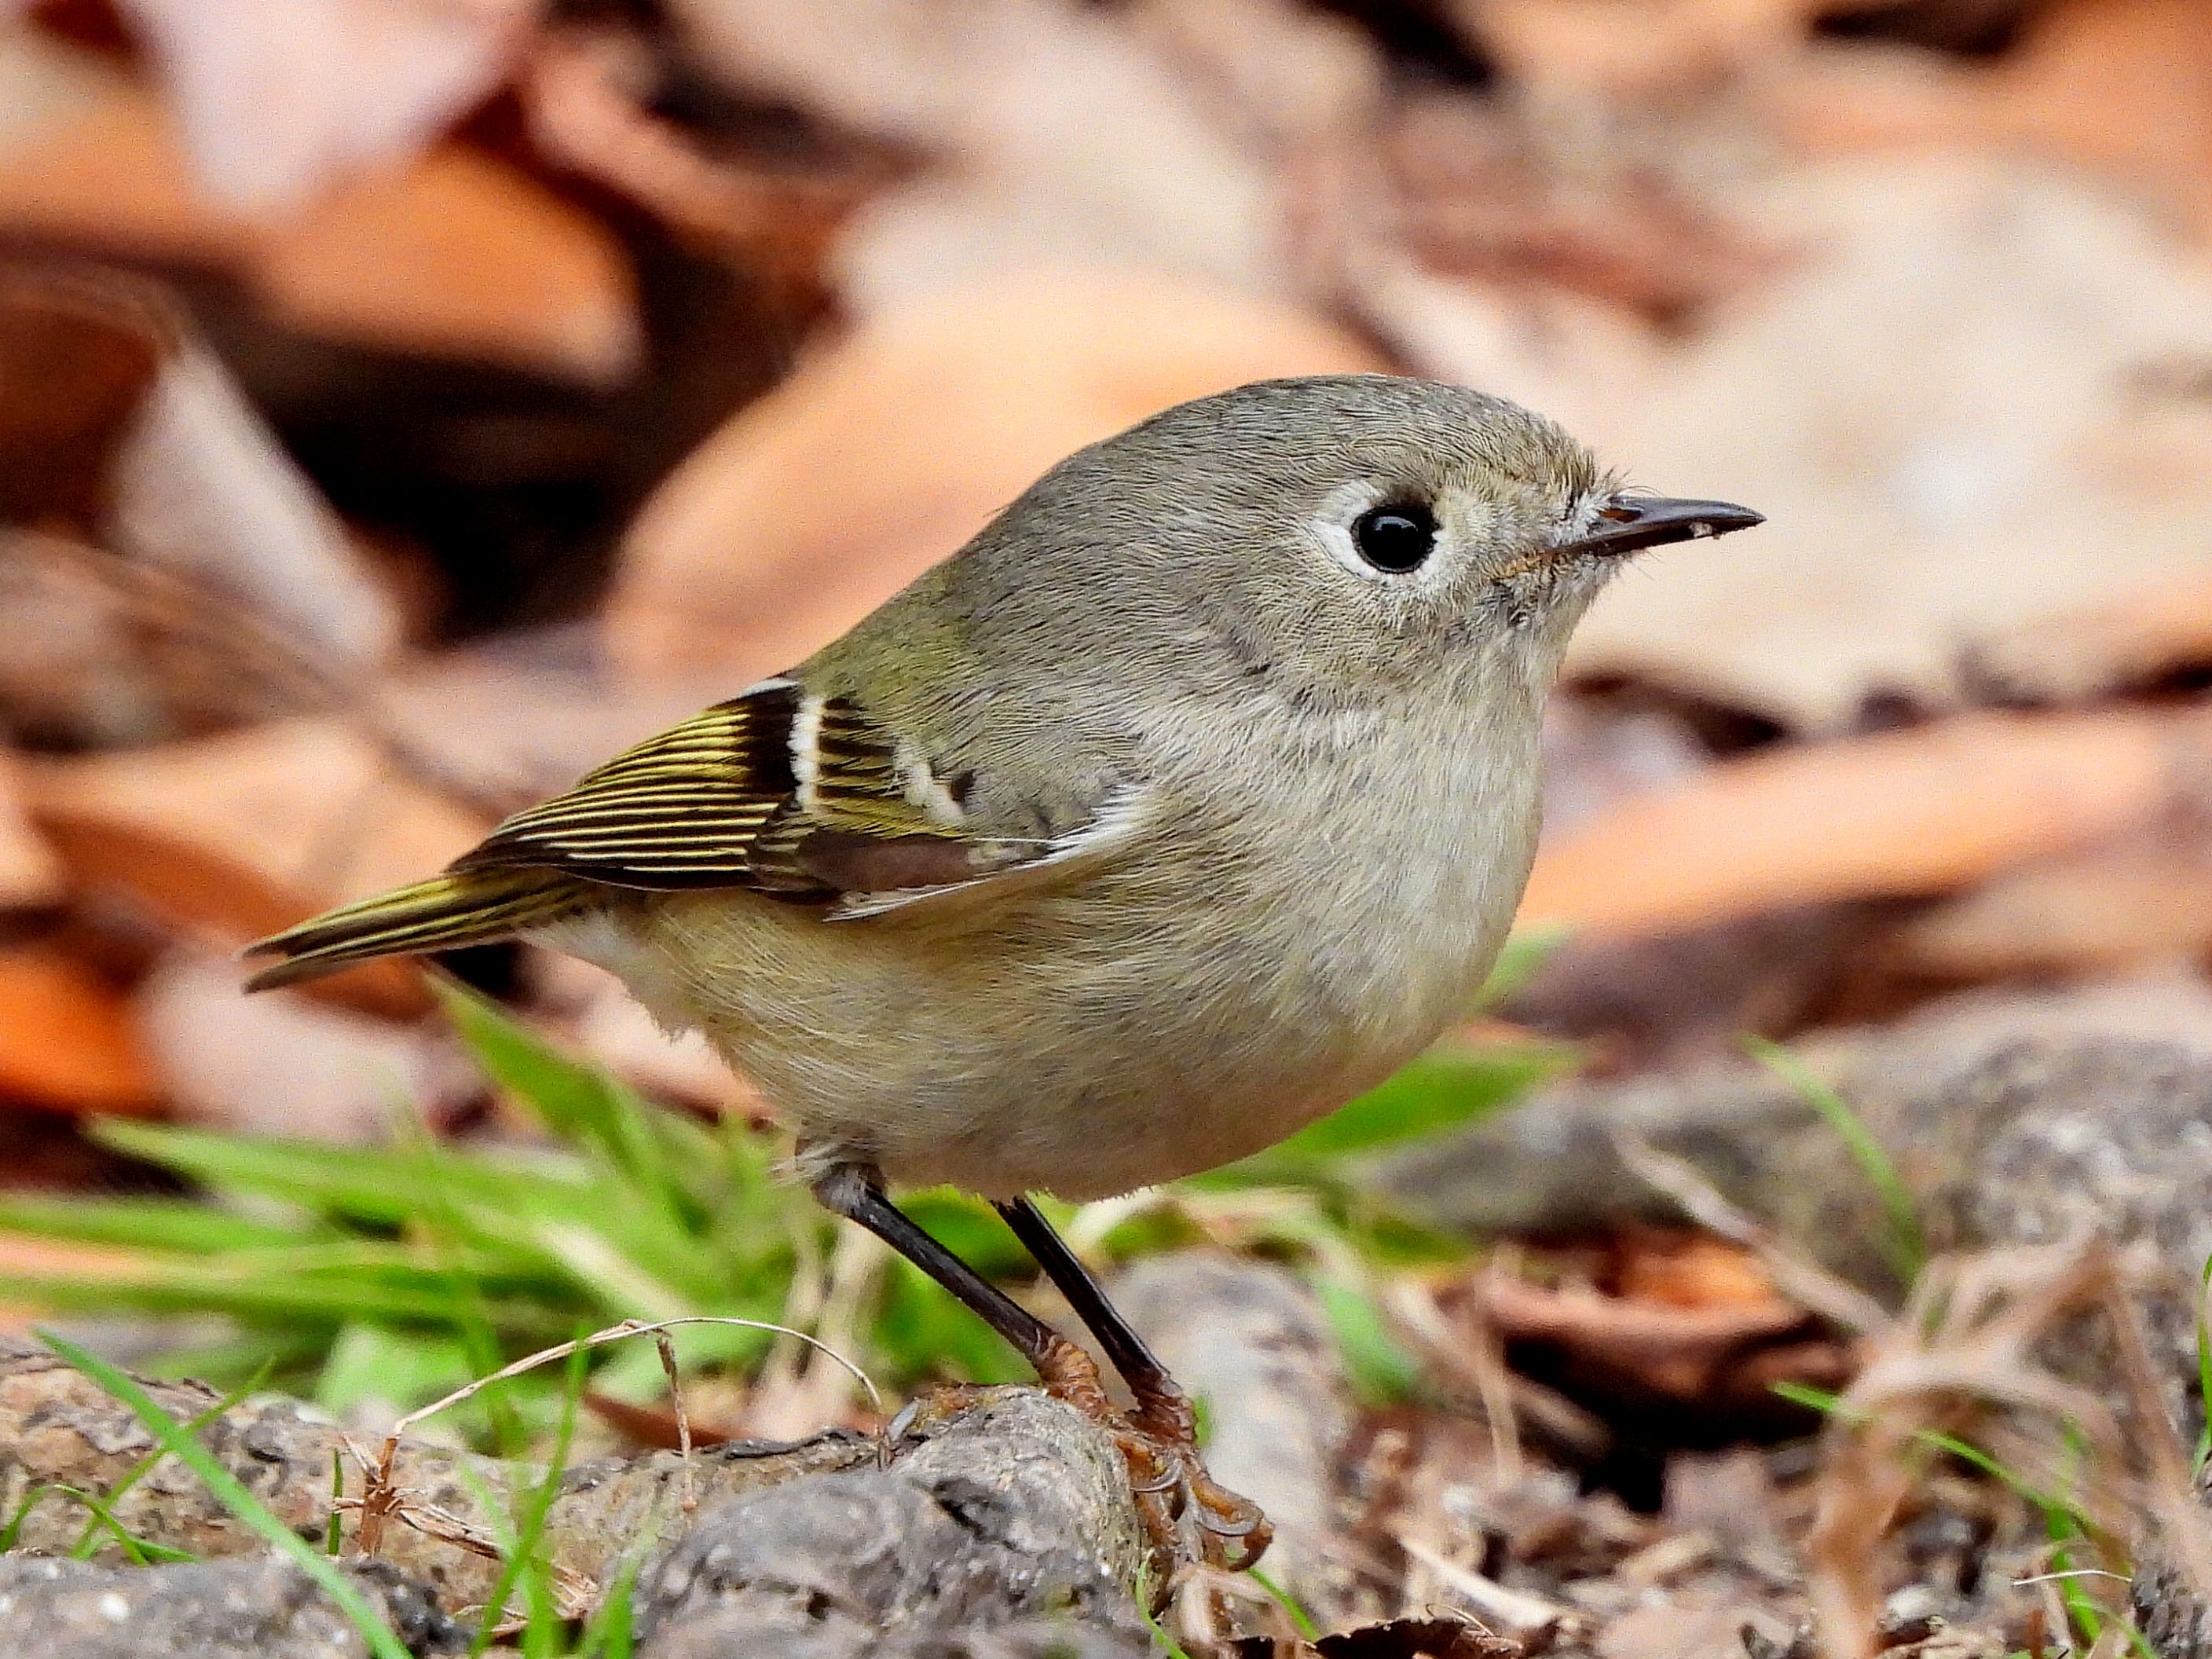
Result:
{"points": [[787, 793]]}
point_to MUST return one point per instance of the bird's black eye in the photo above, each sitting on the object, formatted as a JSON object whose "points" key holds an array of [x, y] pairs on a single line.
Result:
{"points": [[1397, 538]]}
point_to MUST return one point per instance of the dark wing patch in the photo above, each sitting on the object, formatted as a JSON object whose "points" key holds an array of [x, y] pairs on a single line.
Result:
{"points": [[771, 791], [681, 809]]}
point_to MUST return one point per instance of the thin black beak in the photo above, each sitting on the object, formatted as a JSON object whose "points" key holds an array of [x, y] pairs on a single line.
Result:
{"points": [[1632, 522]]}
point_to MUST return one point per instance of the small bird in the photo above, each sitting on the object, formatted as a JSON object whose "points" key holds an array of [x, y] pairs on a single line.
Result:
{"points": [[1190, 798]]}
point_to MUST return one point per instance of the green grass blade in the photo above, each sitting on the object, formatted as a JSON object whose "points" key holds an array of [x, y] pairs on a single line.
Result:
{"points": [[1380, 1370], [1301, 1620], [1903, 1245], [1444, 1090], [1526, 949], [142, 1551], [234, 1496], [609, 1635], [522, 1564], [14, 1527], [332, 1531], [2204, 1364], [138, 1471], [154, 1223], [578, 1101]]}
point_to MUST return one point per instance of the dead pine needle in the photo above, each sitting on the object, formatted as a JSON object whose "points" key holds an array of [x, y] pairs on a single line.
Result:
{"points": [[1966, 1342], [380, 1500]]}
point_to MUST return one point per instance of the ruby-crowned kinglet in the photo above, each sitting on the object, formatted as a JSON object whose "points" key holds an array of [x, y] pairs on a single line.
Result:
{"points": [[1192, 797]]}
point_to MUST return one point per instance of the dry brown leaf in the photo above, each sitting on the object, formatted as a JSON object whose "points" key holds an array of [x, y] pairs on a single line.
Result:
{"points": [[30, 875], [67, 1042], [1922, 811], [886, 451], [1923, 492], [460, 254], [235, 835], [2108, 909], [76, 366], [780, 221], [118, 425], [2121, 86], [1695, 1270], [1607, 50], [1064, 140], [1674, 1350], [278, 102], [2156, 633], [1477, 197]]}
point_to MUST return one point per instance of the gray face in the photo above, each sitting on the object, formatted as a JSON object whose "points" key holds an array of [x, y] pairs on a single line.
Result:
{"points": [[1339, 539]]}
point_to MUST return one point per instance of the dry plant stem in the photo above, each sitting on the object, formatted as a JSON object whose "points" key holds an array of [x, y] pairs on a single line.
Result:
{"points": [[1521, 1614], [1469, 1348], [1968, 1337], [379, 1501], [58, 1427], [1804, 1282]]}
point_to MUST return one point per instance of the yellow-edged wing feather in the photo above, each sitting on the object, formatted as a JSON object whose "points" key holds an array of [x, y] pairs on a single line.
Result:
{"points": [[775, 791]]}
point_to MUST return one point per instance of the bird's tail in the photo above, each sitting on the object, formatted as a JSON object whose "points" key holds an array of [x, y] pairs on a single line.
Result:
{"points": [[469, 908]]}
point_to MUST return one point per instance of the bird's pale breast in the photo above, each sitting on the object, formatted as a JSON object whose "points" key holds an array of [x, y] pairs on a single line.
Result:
{"points": [[1187, 1006]]}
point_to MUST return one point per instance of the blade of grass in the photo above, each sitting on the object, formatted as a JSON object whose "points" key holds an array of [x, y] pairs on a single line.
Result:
{"points": [[2063, 1520], [157, 1223], [521, 1564], [138, 1470], [13, 1530], [330, 1527], [609, 1635], [142, 1551], [1903, 1245], [2205, 1365], [1526, 951], [234, 1496], [1301, 1620]]}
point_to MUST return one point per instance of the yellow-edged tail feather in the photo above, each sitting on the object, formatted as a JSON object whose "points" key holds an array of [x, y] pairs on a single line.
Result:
{"points": [[467, 907]]}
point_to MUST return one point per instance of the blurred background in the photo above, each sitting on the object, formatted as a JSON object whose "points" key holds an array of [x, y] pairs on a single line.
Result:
{"points": [[405, 403]]}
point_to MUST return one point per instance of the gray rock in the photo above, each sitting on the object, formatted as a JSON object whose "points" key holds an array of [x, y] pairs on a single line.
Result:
{"points": [[1010, 1533], [246, 1608]]}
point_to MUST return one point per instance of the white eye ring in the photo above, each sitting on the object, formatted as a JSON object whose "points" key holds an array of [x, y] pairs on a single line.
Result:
{"points": [[1346, 506]]}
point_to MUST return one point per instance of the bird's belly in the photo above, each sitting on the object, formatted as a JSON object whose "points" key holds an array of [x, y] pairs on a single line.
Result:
{"points": [[1073, 1048]]}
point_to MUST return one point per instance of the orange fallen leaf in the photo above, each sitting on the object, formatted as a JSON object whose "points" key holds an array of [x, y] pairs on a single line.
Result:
{"points": [[1919, 812], [460, 254], [2122, 86], [66, 1040], [883, 453], [235, 835], [77, 362], [2157, 632], [1674, 1350], [2103, 909], [1691, 1270]]}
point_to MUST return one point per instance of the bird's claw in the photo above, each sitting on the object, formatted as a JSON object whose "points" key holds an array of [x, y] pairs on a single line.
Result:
{"points": [[1189, 1518]]}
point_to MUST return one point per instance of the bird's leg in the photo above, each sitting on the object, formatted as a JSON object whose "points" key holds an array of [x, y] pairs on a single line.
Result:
{"points": [[1163, 1416], [1162, 1465], [855, 1191]]}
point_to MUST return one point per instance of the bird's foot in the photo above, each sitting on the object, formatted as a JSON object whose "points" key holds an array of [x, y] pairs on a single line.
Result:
{"points": [[1189, 1518]]}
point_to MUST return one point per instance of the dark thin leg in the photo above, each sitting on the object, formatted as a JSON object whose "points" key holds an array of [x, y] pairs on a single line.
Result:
{"points": [[856, 1192], [1139, 1365], [1164, 1410], [1160, 1443]]}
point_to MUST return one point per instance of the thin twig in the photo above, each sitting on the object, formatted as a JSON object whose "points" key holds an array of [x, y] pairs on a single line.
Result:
{"points": [[1804, 1282], [380, 1498]]}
